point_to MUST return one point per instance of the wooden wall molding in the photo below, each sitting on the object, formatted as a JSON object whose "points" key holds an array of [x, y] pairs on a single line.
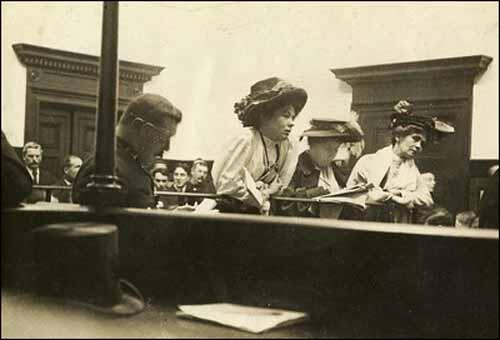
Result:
{"points": [[78, 63], [435, 68]]}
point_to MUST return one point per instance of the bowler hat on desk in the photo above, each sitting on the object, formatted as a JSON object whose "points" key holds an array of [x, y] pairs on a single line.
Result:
{"points": [[77, 262], [345, 131]]}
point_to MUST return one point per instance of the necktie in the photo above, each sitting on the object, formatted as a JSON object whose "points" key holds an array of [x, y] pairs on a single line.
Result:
{"points": [[35, 176]]}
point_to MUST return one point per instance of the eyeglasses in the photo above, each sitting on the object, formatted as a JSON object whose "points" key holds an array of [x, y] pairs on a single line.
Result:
{"points": [[165, 133]]}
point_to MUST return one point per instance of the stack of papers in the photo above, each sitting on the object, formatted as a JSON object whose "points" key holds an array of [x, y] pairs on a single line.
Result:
{"points": [[250, 319]]}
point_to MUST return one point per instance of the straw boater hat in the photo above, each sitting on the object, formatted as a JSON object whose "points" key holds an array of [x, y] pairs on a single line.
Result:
{"points": [[345, 131], [267, 95], [404, 116], [77, 262]]}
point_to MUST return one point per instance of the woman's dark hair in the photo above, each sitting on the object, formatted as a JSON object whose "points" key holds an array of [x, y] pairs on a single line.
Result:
{"points": [[403, 131], [163, 171], [183, 166]]}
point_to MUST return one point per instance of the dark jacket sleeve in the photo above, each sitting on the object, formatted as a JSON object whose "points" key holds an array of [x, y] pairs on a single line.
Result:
{"points": [[16, 181], [488, 206]]}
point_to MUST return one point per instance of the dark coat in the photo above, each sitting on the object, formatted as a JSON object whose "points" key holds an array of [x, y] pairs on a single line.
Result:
{"points": [[488, 206], [206, 187], [63, 196], [137, 183], [46, 178], [16, 181]]}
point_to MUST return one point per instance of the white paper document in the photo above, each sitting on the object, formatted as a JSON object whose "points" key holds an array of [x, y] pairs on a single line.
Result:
{"points": [[250, 319]]}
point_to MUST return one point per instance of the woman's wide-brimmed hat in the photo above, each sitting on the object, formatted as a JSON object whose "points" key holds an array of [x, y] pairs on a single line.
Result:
{"points": [[77, 262], [267, 95], [345, 131], [404, 116]]}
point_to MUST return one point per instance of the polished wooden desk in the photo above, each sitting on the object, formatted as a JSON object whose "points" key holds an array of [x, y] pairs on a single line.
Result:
{"points": [[355, 278]]}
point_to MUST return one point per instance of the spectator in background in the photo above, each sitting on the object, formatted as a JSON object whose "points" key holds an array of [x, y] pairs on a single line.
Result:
{"points": [[143, 131], [32, 157], [160, 177], [162, 183], [200, 181], [71, 166], [466, 219], [488, 205], [437, 217], [16, 180], [181, 178], [429, 180]]}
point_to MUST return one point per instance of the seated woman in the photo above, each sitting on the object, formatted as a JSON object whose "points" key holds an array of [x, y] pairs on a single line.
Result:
{"points": [[260, 161], [316, 172], [392, 170]]}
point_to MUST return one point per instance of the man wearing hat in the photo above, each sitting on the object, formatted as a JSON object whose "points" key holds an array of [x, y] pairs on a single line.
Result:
{"points": [[316, 173], [143, 131], [392, 169], [260, 160]]}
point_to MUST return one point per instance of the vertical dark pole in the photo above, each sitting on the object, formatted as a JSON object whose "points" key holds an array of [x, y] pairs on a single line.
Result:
{"points": [[104, 183]]}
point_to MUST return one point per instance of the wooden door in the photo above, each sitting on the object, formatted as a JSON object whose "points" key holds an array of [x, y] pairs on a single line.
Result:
{"points": [[83, 134], [54, 131]]}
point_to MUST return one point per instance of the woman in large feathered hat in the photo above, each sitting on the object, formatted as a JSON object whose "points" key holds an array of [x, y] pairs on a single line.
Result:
{"points": [[260, 160], [392, 169]]}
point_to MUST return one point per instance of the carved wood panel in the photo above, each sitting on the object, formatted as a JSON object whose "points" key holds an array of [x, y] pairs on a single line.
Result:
{"points": [[54, 132], [83, 134]]}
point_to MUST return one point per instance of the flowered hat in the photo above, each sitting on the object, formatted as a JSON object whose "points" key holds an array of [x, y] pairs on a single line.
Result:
{"points": [[345, 131], [267, 95], [404, 116]]}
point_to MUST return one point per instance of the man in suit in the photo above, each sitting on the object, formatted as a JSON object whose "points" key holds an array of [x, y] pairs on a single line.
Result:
{"points": [[16, 181], [200, 181], [71, 166], [32, 157], [143, 131]]}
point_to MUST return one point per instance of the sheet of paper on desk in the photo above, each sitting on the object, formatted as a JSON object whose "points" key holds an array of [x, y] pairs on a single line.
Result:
{"points": [[250, 319], [252, 187], [348, 191], [357, 200]]}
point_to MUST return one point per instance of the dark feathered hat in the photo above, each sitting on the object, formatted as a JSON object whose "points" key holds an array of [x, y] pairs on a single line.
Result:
{"points": [[404, 116], [267, 95]]}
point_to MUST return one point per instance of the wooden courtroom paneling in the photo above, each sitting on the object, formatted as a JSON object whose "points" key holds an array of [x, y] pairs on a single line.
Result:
{"points": [[439, 88], [83, 134], [54, 132], [57, 78]]}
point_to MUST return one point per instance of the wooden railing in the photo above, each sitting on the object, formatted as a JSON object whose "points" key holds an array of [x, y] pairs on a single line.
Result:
{"points": [[275, 200]]}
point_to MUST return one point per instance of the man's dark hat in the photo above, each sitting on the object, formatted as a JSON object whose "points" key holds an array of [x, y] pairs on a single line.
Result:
{"points": [[266, 95], [404, 116], [78, 261], [345, 131]]}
